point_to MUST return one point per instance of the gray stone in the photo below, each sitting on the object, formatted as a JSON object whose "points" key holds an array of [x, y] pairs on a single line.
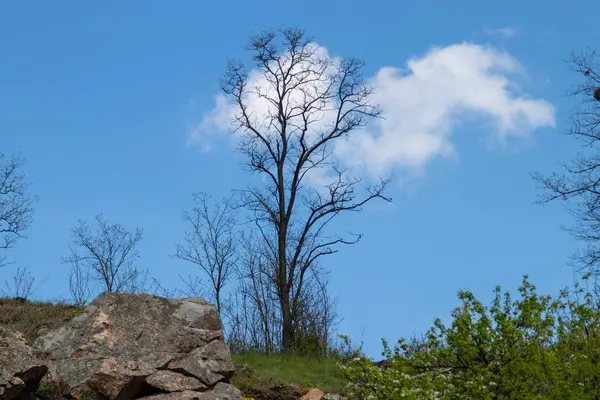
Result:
{"points": [[123, 343], [211, 363], [169, 381], [185, 395], [222, 391], [20, 370]]}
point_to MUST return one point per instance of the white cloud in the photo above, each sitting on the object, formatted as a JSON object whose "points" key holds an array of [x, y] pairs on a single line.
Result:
{"points": [[214, 122], [258, 88], [424, 105], [507, 32]]}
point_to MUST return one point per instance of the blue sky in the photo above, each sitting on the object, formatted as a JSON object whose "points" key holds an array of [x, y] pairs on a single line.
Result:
{"points": [[105, 101]]}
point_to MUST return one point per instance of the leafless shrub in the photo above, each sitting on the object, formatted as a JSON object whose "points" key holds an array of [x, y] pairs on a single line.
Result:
{"points": [[21, 286], [210, 244], [79, 283], [16, 203], [108, 255]]}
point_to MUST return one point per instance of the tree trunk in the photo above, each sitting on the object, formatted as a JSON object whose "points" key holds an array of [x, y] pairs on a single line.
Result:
{"points": [[287, 327], [284, 295]]}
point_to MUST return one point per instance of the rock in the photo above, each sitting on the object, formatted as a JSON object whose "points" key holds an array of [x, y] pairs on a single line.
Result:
{"points": [[313, 394], [20, 370], [108, 377], [126, 346], [169, 381], [211, 363], [222, 391], [185, 395]]}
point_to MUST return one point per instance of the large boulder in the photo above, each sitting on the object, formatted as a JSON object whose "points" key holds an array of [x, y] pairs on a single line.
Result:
{"points": [[128, 346], [20, 370]]}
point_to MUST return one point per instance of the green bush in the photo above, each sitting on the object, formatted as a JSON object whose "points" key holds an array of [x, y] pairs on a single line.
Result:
{"points": [[535, 347]]}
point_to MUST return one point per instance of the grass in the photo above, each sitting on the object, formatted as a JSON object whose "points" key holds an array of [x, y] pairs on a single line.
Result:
{"points": [[33, 318], [292, 371]]}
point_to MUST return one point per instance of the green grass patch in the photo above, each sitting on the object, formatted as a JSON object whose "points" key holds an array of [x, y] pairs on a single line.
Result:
{"points": [[288, 370]]}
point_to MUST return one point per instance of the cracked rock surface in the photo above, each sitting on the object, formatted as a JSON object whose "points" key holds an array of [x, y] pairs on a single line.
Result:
{"points": [[127, 346], [20, 370]]}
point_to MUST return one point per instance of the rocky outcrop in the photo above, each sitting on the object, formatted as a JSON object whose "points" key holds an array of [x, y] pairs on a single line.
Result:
{"points": [[20, 370], [127, 346]]}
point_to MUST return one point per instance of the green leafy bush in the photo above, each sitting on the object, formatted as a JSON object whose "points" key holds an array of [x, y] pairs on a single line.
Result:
{"points": [[534, 347]]}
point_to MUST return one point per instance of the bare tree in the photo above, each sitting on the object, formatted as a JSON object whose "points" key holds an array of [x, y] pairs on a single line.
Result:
{"points": [[255, 318], [210, 243], [21, 287], [579, 183], [288, 120], [79, 282], [16, 203], [316, 315], [109, 255]]}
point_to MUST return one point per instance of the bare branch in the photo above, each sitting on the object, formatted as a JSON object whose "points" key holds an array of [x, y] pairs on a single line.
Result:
{"points": [[79, 281], [578, 186], [109, 255], [21, 286], [210, 243], [16, 203], [290, 111]]}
